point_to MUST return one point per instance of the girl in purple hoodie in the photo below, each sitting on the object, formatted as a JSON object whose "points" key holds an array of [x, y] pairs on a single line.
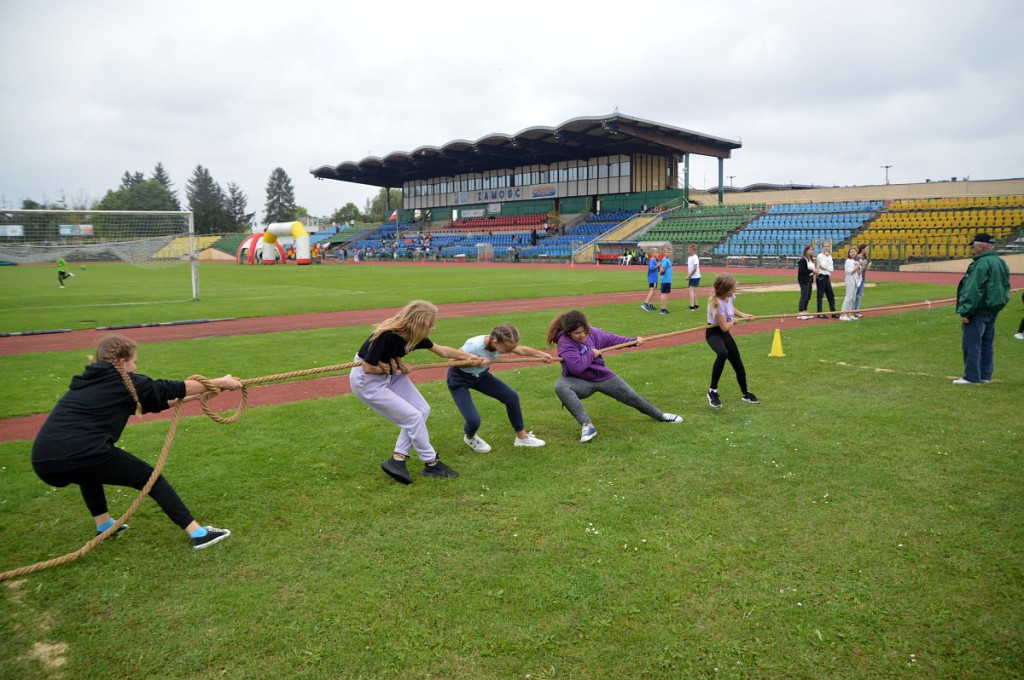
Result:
{"points": [[584, 372]]}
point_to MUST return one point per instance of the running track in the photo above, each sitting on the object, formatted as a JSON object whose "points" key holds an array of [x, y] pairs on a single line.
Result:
{"points": [[14, 429]]}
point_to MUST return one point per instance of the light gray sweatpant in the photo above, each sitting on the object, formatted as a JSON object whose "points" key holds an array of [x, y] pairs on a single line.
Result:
{"points": [[398, 400], [572, 390]]}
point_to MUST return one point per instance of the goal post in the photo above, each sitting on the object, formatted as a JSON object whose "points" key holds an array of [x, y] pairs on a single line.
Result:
{"points": [[146, 239]]}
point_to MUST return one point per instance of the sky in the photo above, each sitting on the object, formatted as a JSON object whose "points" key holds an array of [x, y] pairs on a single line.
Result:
{"points": [[818, 92]]}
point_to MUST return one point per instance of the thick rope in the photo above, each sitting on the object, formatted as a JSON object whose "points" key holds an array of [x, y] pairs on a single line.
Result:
{"points": [[212, 390]]}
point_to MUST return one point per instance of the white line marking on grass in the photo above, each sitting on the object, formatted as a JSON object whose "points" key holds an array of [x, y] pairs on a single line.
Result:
{"points": [[878, 369]]}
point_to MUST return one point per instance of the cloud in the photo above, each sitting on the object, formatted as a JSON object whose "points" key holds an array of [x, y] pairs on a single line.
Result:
{"points": [[822, 92]]}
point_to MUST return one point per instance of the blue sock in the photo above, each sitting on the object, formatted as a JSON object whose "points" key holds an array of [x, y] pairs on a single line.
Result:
{"points": [[103, 527], [198, 533]]}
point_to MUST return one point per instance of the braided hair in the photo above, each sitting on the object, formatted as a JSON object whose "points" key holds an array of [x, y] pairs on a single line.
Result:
{"points": [[116, 350]]}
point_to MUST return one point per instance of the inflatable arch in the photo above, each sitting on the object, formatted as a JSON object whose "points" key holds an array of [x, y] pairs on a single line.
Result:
{"points": [[297, 231], [250, 251]]}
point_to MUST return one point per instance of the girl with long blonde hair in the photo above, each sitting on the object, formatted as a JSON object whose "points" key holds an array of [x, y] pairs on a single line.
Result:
{"points": [[381, 382]]}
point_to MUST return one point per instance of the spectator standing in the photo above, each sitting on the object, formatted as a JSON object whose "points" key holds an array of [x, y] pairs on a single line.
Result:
{"points": [[862, 258], [653, 264], [823, 278], [805, 272], [852, 268], [693, 274], [981, 295], [666, 278]]}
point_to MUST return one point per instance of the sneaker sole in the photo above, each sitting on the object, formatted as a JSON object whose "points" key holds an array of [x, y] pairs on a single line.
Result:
{"points": [[751, 402], [713, 405], [528, 446], [584, 440], [392, 475]]}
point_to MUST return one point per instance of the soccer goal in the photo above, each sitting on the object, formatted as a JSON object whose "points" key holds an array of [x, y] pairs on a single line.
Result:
{"points": [[145, 239]]}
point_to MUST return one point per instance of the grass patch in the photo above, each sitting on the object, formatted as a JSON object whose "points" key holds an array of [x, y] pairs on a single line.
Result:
{"points": [[863, 521]]}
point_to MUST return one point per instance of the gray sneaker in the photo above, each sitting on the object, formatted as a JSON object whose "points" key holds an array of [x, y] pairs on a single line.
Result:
{"points": [[396, 470], [439, 470]]}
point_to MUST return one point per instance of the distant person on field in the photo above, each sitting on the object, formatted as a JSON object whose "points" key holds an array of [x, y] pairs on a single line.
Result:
{"points": [[1019, 335], [584, 372], [983, 292], [805, 272], [852, 269], [865, 264], [666, 278], [76, 444], [823, 278], [693, 275], [722, 315], [62, 271], [653, 265], [503, 339]]}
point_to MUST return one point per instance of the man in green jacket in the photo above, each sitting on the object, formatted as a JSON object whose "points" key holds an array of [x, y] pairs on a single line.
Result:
{"points": [[982, 293]]}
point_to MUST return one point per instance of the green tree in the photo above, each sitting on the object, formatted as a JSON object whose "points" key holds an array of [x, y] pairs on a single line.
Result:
{"points": [[280, 198], [379, 211], [128, 180], [235, 203], [145, 195], [346, 213], [160, 175], [206, 201]]}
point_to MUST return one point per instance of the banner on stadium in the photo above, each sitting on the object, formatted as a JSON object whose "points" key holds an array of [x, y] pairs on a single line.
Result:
{"points": [[494, 208], [469, 214], [12, 230], [75, 229], [544, 191]]}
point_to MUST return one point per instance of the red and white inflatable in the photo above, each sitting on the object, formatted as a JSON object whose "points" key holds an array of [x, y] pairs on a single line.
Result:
{"points": [[271, 250], [251, 251]]}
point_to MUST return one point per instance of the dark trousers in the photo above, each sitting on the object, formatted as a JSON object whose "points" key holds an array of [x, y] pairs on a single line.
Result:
{"points": [[825, 288], [123, 469], [725, 350], [460, 383], [805, 293]]}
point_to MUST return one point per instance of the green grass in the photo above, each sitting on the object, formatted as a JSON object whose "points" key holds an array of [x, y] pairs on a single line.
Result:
{"points": [[864, 521]]}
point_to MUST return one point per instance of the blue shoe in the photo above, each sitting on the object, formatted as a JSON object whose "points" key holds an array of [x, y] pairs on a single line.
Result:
{"points": [[664, 311], [589, 432]]}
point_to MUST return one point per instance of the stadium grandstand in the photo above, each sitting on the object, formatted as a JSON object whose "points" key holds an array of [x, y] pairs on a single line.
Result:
{"points": [[594, 187]]}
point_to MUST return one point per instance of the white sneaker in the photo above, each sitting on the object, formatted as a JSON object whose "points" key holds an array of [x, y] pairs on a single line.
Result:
{"points": [[845, 318], [804, 317], [1019, 336], [961, 381], [477, 444], [671, 418], [529, 440]]}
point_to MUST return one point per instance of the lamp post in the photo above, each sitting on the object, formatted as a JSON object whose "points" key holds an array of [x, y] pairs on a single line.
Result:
{"points": [[731, 178], [886, 172]]}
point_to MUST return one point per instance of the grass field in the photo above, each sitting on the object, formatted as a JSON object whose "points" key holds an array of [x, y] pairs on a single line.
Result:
{"points": [[864, 521]]}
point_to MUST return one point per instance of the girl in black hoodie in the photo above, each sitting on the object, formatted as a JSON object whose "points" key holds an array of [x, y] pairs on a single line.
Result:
{"points": [[76, 444]]}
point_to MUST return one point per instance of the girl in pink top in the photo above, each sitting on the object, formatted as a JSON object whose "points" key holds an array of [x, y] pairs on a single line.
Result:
{"points": [[722, 313]]}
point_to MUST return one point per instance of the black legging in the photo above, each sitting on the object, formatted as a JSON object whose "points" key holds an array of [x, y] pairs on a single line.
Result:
{"points": [[123, 469], [725, 348], [825, 288]]}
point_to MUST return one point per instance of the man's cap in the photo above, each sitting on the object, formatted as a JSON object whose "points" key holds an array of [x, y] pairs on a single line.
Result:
{"points": [[983, 238]]}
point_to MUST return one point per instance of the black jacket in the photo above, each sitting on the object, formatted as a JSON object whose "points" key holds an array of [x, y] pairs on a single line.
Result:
{"points": [[83, 427]]}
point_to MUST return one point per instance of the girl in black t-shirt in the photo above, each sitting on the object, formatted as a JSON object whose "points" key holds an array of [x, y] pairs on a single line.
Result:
{"points": [[382, 384]]}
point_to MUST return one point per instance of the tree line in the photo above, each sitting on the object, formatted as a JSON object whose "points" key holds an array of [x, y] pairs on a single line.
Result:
{"points": [[217, 211]]}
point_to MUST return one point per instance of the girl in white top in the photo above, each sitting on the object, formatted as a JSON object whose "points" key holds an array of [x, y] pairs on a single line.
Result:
{"points": [[852, 284], [693, 265], [504, 339]]}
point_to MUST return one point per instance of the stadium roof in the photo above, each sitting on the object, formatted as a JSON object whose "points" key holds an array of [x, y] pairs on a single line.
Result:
{"points": [[576, 139]]}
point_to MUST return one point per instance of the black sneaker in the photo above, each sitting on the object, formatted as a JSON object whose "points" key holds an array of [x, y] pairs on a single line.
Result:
{"points": [[396, 470], [750, 398], [212, 536], [439, 470], [123, 527], [713, 399]]}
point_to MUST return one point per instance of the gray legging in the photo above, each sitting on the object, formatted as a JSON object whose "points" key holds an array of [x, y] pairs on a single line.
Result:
{"points": [[572, 390]]}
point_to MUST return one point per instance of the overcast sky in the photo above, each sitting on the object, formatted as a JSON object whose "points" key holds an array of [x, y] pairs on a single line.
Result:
{"points": [[817, 91]]}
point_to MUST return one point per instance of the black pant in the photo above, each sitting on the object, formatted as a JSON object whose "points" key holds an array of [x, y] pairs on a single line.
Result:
{"points": [[725, 349], [123, 469], [460, 383], [825, 288], [805, 293]]}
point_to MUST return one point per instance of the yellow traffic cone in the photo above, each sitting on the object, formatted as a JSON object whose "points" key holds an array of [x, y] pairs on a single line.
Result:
{"points": [[777, 345]]}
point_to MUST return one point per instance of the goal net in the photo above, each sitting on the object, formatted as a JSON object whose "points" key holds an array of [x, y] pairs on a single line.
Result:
{"points": [[147, 239]]}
